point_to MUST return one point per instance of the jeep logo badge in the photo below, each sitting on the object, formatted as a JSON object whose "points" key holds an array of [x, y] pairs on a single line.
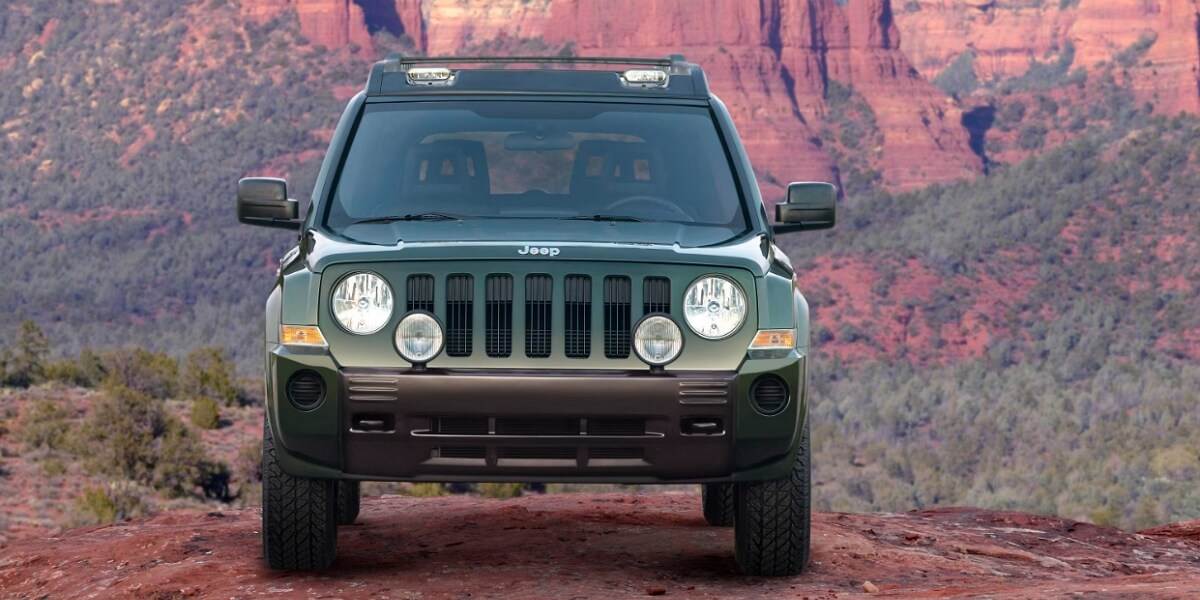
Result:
{"points": [[534, 250]]}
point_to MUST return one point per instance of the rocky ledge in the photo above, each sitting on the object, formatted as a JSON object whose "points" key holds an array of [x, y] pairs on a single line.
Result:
{"points": [[604, 546]]}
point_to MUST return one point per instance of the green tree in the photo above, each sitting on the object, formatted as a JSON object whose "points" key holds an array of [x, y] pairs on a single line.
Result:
{"points": [[151, 373], [45, 423], [207, 373], [25, 364], [205, 413]]}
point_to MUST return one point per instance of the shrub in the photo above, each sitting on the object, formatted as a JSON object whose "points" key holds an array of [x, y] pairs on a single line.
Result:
{"points": [[247, 473], [207, 373], [204, 413], [425, 490], [45, 423], [151, 373], [116, 502], [120, 432], [25, 364], [181, 465], [500, 490]]}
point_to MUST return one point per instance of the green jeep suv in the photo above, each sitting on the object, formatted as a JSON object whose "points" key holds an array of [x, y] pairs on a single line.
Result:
{"points": [[537, 270]]}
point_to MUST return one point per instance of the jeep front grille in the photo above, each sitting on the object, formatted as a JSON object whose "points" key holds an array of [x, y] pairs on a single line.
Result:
{"points": [[556, 315]]}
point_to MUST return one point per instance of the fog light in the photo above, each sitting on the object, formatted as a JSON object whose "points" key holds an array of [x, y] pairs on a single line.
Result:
{"points": [[657, 340], [419, 337]]}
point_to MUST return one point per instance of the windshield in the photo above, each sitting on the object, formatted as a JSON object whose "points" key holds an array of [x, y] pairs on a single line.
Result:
{"points": [[499, 170]]}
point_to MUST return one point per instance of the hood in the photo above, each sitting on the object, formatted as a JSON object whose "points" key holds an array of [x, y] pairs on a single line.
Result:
{"points": [[752, 252]]}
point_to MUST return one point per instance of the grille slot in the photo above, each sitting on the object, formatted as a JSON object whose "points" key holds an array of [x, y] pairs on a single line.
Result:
{"points": [[461, 425], [656, 295], [537, 426], [617, 298], [476, 452], [616, 453], [616, 427], [420, 293], [552, 453], [499, 300], [577, 294], [459, 309], [539, 292]]}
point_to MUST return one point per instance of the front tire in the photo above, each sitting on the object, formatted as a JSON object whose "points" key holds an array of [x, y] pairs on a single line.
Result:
{"points": [[773, 519], [349, 497], [299, 516], [718, 503]]}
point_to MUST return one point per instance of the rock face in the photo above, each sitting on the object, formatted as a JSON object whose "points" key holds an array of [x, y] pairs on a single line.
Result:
{"points": [[602, 546], [1007, 35], [329, 23], [771, 62]]}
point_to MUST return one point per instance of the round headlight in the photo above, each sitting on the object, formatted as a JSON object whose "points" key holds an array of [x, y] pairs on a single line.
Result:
{"points": [[657, 340], [362, 303], [714, 307], [419, 337]]}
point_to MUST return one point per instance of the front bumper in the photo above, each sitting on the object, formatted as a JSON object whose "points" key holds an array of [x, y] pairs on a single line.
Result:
{"points": [[568, 426]]}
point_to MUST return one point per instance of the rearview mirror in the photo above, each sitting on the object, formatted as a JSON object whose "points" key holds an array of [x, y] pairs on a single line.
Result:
{"points": [[809, 206], [539, 140], [263, 201]]}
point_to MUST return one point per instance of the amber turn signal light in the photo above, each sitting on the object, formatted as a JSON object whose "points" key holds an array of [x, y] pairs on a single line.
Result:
{"points": [[305, 336]]}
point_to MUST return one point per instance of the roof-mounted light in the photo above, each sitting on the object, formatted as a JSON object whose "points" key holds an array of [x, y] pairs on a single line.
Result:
{"points": [[430, 76], [644, 78]]}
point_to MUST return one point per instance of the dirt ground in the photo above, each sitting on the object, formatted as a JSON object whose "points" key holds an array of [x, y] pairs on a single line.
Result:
{"points": [[605, 546]]}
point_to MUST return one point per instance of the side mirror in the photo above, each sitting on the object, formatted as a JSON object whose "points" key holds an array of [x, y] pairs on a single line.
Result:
{"points": [[263, 201], [809, 206]]}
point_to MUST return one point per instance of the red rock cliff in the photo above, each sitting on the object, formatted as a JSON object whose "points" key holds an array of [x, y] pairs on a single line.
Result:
{"points": [[771, 63], [329, 23], [1006, 36]]}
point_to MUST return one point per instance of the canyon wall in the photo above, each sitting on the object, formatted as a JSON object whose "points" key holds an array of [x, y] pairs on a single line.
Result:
{"points": [[1007, 35], [770, 61]]}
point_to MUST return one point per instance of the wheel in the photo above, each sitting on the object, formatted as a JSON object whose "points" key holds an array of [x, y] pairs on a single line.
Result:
{"points": [[348, 497], [772, 520], [718, 503], [299, 516]]}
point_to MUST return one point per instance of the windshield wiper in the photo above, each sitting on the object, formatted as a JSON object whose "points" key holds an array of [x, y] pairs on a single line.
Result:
{"points": [[429, 216], [622, 218]]}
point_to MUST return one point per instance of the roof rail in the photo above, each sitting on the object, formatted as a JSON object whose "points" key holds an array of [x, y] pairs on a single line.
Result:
{"points": [[397, 60], [675, 65]]}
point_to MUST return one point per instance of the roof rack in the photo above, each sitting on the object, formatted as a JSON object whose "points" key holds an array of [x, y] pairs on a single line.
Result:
{"points": [[388, 77], [399, 59]]}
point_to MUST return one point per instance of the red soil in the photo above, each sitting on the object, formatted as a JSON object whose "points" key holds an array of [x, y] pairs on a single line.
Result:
{"points": [[603, 546]]}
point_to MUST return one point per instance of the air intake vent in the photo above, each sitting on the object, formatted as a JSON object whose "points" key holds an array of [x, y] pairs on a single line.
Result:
{"points": [[499, 315], [536, 453], [473, 452], [420, 293], [617, 291], [769, 395], [656, 295], [459, 309], [306, 390], [539, 290], [577, 294]]}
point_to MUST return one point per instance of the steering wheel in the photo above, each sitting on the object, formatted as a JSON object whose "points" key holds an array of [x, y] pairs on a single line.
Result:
{"points": [[665, 204]]}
